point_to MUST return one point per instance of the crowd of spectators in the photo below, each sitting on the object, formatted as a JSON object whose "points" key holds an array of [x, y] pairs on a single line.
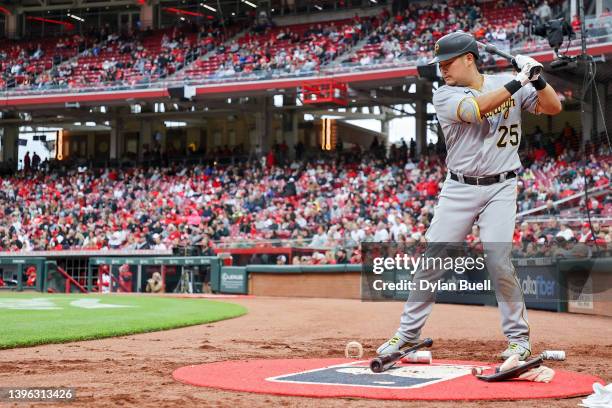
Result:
{"points": [[413, 32], [133, 57], [326, 203], [553, 165], [27, 63], [295, 48], [104, 56]]}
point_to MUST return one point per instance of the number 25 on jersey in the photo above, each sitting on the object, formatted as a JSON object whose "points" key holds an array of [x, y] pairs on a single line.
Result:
{"points": [[509, 134]]}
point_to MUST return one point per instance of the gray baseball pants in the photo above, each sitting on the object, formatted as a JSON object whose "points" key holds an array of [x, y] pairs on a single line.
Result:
{"points": [[493, 208]]}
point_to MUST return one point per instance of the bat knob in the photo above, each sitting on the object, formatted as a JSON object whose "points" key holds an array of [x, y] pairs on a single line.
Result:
{"points": [[376, 365], [535, 71], [515, 65], [427, 342]]}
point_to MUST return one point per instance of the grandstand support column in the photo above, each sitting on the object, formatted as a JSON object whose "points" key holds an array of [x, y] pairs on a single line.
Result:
{"points": [[384, 129], [420, 116], [114, 138], [263, 125], [146, 14], [291, 137], [9, 145], [145, 139], [10, 28]]}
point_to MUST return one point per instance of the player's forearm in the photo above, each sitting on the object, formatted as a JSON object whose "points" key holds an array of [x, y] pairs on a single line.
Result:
{"points": [[548, 102], [491, 100]]}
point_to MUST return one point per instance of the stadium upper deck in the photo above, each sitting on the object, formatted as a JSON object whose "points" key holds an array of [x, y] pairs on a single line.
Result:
{"points": [[202, 52]]}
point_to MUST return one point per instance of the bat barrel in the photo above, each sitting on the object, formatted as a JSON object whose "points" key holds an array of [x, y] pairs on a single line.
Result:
{"points": [[376, 365], [494, 50], [382, 363]]}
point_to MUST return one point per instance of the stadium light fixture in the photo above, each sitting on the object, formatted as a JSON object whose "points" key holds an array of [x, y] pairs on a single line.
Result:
{"points": [[206, 6], [278, 101], [170, 123], [247, 2], [72, 16]]}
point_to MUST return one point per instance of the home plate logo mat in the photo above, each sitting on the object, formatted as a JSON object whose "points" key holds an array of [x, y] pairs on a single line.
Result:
{"points": [[358, 374], [443, 380]]}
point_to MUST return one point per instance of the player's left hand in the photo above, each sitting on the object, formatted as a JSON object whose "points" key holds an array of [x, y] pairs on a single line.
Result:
{"points": [[529, 72], [520, 61]]}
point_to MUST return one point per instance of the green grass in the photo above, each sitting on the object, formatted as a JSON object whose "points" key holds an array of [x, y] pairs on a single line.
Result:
{"points": [[21, 328]]}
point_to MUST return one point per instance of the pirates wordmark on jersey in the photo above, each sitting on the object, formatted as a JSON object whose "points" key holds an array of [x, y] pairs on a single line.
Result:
{"points": [[504, 107]]}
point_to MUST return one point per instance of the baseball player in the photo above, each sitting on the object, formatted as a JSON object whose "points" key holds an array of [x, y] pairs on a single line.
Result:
{"points": [[480, 116]]}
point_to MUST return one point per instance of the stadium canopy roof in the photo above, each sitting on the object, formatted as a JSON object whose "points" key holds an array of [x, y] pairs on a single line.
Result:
{"points": [[43, 5]]}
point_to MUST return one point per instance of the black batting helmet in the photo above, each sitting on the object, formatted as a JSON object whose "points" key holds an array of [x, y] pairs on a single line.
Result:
{"points": [[454, 44]]}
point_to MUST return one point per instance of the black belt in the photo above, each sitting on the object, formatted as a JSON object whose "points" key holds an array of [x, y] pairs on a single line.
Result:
{"points": [[482, 180]]}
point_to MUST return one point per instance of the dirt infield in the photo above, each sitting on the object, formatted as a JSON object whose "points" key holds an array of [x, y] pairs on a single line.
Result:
{"points": [[136, 370]]}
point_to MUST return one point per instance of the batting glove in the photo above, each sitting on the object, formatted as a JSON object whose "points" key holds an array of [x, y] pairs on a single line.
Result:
{"points": [[520, 60], [522, 77], [530, 72]]}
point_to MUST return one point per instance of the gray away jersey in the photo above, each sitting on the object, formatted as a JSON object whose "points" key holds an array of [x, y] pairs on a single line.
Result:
{"points": [[488, 147]]}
